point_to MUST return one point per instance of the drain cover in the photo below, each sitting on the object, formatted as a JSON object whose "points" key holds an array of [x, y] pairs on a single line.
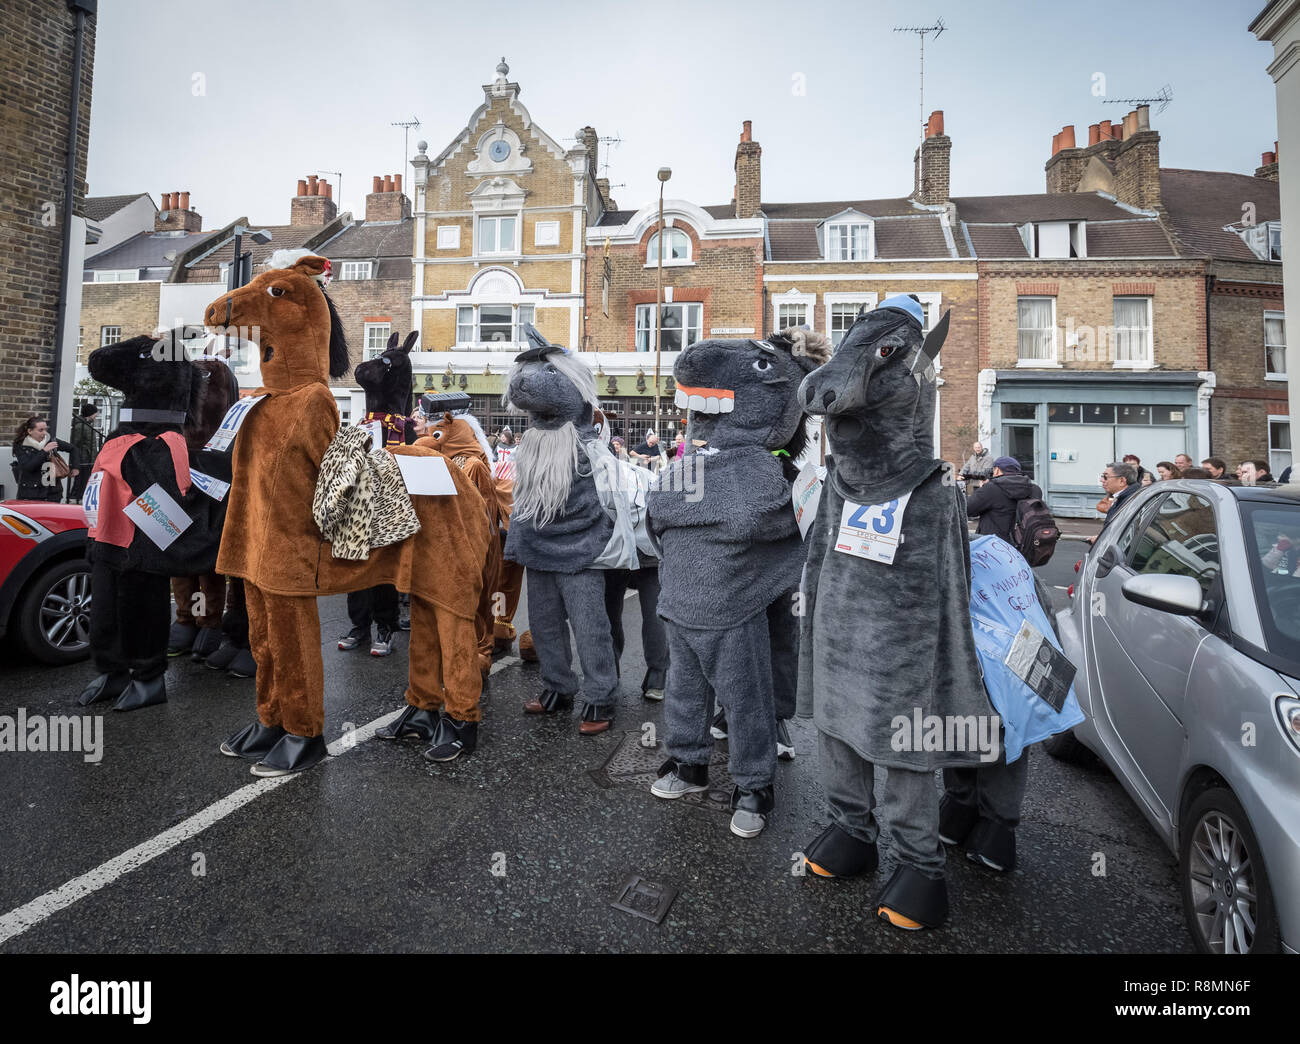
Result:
{"points": [[637, 765], [642, 898]]}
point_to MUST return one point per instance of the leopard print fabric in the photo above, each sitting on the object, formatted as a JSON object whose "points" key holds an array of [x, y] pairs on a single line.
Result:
{"points": [[361, 501]]}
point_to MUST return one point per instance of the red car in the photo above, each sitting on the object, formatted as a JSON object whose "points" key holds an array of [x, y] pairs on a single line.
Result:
{"points": [[45, 579]]}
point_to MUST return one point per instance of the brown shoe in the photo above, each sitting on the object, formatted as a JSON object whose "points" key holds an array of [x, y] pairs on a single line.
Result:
{"points": [[593, 728], [548, 702], [595, 720]]}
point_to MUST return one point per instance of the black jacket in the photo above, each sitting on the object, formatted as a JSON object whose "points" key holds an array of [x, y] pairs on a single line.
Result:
{"points": [[994, 503], [29, 463]]}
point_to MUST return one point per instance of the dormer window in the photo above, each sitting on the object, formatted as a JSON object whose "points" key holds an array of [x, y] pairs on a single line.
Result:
{"points": [[1264, 239], [677, 247], [848, 241], [1055, 239]]}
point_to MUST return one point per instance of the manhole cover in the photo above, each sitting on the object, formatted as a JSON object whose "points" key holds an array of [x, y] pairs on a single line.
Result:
{"points": [[642, 898], [637, 765]]}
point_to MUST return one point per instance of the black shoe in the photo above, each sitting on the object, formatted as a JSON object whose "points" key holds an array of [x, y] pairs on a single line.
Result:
{"points": [[142, 694], [548, 701], [452, 739], [750, 809], [354, 638], [206, 642], [243, 665], [992, 844], [955, 820], [106, 687], [912, 901], [180, 639], [719, 727], [836, 853], [291, 754], [784, 745], [253, 742], [223, 657], [412, 723]]}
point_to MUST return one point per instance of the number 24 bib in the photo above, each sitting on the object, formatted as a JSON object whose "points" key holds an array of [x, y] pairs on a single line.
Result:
{"points": [[872, 531]]}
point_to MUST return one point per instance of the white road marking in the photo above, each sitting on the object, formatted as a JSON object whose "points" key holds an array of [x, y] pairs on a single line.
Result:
{"points": [[19, 920]]}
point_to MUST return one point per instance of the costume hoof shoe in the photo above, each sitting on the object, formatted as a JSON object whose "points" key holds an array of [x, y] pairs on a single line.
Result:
{"points": [[910, 900], [243, 665], [836, 853], [412, 723], [956, 821], [291, 754], [105, 687], [140, 694], [253, 742]]}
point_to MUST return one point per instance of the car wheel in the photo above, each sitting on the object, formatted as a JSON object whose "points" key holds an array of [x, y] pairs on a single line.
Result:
{"points": [[54, 613], [1064, 747], [1226, 894]]}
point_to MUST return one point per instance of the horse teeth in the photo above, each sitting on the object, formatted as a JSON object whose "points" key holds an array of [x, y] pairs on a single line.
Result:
{"points": [[711, 404], [726, 405], [681, 399], [696, 402]]}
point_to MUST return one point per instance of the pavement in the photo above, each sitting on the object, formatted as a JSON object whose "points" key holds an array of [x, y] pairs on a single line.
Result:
{"points": [[165, 846]]}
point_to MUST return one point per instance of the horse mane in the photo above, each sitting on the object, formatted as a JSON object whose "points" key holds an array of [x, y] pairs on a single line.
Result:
{"points": [[339, 363]]}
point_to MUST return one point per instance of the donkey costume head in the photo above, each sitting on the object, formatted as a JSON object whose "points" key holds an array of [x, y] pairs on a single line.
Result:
{"points": [[745, 393], [558, 392], [387, 379], [877, 394], [284, 310]]}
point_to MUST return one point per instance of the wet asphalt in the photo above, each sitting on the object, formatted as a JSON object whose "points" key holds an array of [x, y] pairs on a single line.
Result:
{"points": [[522, 846]]}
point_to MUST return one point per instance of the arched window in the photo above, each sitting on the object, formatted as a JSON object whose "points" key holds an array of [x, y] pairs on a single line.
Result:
{"points": [[679, 247]]}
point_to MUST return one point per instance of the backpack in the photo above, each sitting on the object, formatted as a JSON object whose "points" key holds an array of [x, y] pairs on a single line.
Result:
{"points": [[1034, 533]]}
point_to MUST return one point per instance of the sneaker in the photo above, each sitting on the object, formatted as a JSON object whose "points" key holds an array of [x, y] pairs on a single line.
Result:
{"points": [[654, 694], [784, 745], [752, 808], [676, 779], [719, 727], [452, 739], [354, 638], [383, 643]]}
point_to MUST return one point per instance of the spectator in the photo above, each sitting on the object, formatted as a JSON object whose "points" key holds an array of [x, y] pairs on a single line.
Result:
{"points": [[1136, 461], [1216, 466], [1198, 473], [979, 465], [994, 503], [33, 448], [1253, 473], [85, 444], [1119, 480], [649, 454], [1262, 473], [1182, 462], [1171, 471], [506, 438], [618, 448], [679, 446]]}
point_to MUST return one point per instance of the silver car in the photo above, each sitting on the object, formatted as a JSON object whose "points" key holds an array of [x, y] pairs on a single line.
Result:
{"points": [[1184, 626]]}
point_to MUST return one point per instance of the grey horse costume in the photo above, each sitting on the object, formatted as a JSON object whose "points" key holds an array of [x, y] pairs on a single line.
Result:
{"points": [[570, 522], [886, 646], [731, 549]]}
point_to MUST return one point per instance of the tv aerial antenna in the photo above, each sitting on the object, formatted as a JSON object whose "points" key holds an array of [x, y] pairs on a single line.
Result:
{"points": [[922, 31], [406, 126], [1161, 101]]}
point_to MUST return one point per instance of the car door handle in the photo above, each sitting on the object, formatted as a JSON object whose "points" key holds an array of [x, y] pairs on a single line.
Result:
{"points": [[1108, 561]]}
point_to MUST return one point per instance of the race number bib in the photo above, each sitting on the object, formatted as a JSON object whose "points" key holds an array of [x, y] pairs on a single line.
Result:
{"points": [[224, 436], [90, 499], [872, 531], [806, 495], [213, 487], [376, 429]]}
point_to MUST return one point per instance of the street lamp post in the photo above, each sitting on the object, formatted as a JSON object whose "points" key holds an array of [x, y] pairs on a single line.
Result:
{"points": [[664, 174]]}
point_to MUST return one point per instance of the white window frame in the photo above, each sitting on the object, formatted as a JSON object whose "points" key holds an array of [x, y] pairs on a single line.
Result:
{"points": [[645, 314], [520, 313], [1055, 361], [1274, 231], [669, 262], [374, 340], [1128, 364], [834, 251], [868, 299], [448, 237], [117, 275], [793, 297], [546, 233], [1270, 314], [105, 334], [1275, 466], [513, 248], [351, 270]]}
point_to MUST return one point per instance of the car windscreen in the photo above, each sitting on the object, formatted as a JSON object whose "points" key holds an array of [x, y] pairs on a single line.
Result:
{"points": [[1272, 534]]}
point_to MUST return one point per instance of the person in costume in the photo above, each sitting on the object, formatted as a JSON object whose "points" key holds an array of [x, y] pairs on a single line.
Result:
{"points": [[886, 634], [570, 523], [272, 541], [150, 513], [730, 549]]}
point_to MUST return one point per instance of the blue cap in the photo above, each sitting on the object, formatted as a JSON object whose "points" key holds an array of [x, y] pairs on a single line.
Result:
{"points": [[905, 303]]}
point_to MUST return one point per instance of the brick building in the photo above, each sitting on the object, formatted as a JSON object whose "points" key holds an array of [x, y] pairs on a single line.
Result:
{"points": [[37, 282]]}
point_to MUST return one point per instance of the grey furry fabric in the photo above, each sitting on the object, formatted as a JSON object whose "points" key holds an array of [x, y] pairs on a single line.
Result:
{"points": [[569, 543]]}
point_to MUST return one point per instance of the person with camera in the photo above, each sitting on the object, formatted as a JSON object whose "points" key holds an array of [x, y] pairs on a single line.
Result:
{"points": [[38, 468]]}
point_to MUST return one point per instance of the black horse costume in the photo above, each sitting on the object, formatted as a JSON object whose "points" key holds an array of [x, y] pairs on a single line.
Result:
{"points": [[886, 638], [134, 546]]}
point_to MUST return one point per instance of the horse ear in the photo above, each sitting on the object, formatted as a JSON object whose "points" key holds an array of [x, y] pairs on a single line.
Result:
{"points": [[935, 338], [411, 338], [392, 340]]}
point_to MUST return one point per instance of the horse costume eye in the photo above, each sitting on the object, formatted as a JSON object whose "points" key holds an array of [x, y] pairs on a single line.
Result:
{"points": [[762, 364], [886, 350], [275, 291], [387, 362], [437, 435]]}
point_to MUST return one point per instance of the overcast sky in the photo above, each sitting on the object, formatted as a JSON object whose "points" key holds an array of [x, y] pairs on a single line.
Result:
{"points": [[237, 100]]}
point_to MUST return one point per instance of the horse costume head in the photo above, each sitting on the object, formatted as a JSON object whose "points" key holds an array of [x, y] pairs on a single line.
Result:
{"points": [[558, 392], [293, 324], [387, 379], [745, 393], [457, 435], [878, 395]]}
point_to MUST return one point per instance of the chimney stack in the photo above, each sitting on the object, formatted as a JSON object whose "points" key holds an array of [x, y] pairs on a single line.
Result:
{"points": [[386, 202], [1267, 168], [1137, 162], [314, 205], [748, 168], [175, 214], [591, 145], [931, 164]]}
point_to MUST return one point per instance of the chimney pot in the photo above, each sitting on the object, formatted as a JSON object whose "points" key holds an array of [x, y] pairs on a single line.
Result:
{"points": [[1143, 114], [1268, 157], [1103, 130], [185, 201], [302, 186], [934, 126], [329, 190], [1094, 134], [311, 185], [397, 183], [1067, 136], [1056, 143], [377, 184], [747, 132]]}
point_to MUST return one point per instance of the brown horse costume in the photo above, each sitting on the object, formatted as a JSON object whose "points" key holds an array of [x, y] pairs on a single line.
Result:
{"points": [[272, 542]]}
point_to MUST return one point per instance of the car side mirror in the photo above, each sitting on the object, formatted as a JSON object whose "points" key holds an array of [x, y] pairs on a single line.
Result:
{"points": [[1180, 595]]}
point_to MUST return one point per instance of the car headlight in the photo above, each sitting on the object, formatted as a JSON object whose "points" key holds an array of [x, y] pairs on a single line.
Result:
{"points": [[1288, 712]]}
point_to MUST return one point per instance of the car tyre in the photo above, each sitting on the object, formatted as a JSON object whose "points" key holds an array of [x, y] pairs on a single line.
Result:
{"points": [[43, 595], [1064, 747], [1224, 883]]}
